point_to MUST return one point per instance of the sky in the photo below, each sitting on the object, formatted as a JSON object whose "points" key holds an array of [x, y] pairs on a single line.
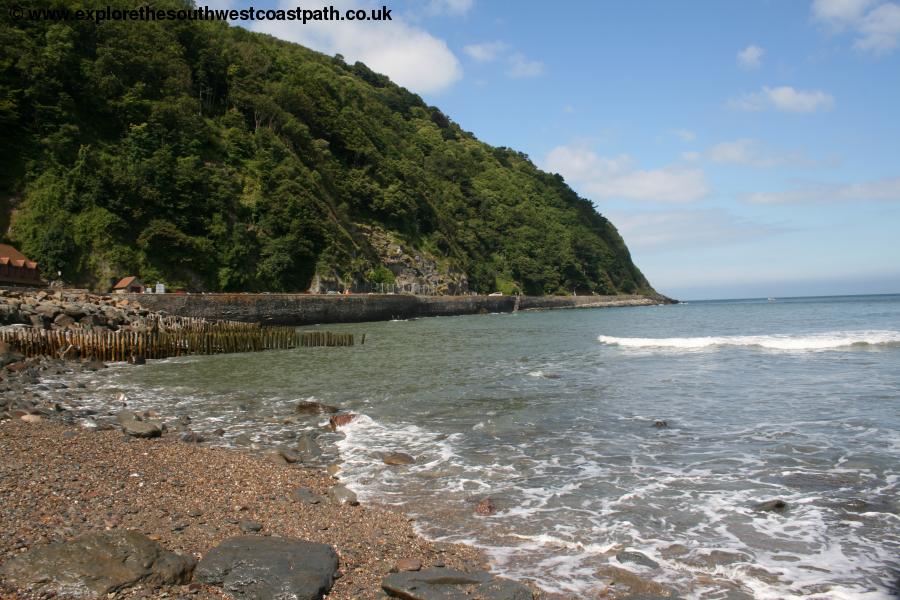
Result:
{"points": [[743, 149]]}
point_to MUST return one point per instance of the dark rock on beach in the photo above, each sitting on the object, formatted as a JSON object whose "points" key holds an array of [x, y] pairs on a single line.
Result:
{"points": [[192, 437], [308, 447], [135, 426], [338, 494], [265, 568], [450, 584], [306, 496], [98, 564]]}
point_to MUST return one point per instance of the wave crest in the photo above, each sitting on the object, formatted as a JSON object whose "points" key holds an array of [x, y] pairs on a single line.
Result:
{"points": [[801, 342]]}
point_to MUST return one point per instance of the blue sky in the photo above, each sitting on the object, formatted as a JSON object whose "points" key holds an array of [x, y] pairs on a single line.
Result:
{"points": [[742, 148]]}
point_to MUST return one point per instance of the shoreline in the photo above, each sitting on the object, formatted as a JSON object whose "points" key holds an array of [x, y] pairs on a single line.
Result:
{"points": [[59, 481]]}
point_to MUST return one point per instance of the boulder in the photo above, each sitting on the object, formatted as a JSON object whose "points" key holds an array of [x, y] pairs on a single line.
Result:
{"points": [[777, 506], [98, 564], [94, 364], [8, 354], [63, 320], [137, 359], [192, 437], [398, 458], [47, 309], [308, 447], [39, 321], [263, 568], [74, 311], [306, 407], [340, 420], [449, 584], [133, 425]]}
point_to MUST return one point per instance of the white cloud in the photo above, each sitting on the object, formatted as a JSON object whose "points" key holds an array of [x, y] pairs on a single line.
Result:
{"points": [[751, 153], [669, 230], [875, 24], [686, 135], [408, 55], [784, 98], [839, 13], [520, 66], [486, 51], [879, 30], [882, 189], [453, 7], [750, 57], [604, 178]]}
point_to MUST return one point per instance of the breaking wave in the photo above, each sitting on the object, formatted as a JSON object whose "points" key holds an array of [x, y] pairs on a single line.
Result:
{"points": [[817, 341]]}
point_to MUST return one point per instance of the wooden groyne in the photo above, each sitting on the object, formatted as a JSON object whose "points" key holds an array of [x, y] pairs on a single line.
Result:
{"points": [[186, 336]]}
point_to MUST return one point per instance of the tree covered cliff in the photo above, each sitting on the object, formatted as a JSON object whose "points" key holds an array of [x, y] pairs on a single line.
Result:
{"points": [[214, 158]]}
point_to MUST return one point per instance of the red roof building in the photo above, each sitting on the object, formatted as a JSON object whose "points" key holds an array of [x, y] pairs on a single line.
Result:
{"points": [[129, 285], [16, 269]]}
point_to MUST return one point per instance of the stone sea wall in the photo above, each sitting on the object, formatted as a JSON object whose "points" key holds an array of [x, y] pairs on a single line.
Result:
{"points": [[306, 309]]}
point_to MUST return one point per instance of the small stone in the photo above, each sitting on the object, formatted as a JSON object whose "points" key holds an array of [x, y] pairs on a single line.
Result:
{"points": [[192, 437], [408, 564], [485, 508], [289, 455], [31, 418], [333, 469], [306, 496], [250, 526], [276, 458], [637, 558], [341, 495]]}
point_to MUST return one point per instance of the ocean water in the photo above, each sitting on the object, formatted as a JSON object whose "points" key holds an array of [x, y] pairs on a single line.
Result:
{"points": [[552, 415]]}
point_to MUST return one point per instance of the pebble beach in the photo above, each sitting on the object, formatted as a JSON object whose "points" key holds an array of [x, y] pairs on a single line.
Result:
{"points": [[74, 478]]}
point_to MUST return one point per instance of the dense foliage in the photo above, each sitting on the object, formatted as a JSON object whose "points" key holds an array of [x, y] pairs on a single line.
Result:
{"points": [[211, 157]]}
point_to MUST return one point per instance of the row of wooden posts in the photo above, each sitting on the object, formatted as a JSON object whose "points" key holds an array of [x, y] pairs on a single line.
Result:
{"points": [[165, 343]]}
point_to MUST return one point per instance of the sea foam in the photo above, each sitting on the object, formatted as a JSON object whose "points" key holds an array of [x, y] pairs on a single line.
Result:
{"points": [[806, 342]]}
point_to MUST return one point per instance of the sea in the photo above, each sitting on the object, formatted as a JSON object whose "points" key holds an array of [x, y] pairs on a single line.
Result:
{"points": [[638, 439]]}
